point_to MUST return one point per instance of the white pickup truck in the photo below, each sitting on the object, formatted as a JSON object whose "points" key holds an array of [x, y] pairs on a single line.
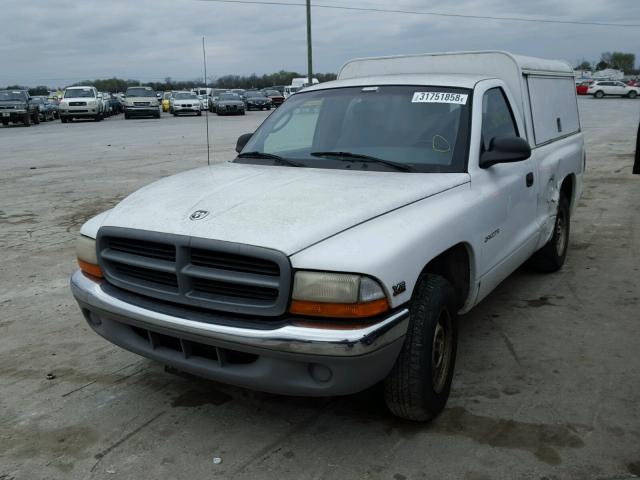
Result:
{"points": [[338, 248]]}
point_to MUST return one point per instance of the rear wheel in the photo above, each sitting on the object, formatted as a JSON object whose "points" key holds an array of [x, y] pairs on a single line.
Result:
{"points": [[633, 94], [551, 257], [419, 383], [599, 94]]}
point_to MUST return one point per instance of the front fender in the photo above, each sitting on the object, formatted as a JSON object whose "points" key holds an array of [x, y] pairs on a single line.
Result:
{"points": [[395, 247]]}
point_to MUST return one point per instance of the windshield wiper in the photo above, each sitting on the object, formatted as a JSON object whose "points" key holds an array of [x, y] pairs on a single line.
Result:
{"points": [[364, 158], [271, 156]]}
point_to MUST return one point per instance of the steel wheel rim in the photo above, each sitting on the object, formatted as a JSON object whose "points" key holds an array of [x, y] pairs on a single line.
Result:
{"points": [[561, 234], [441, 351]]}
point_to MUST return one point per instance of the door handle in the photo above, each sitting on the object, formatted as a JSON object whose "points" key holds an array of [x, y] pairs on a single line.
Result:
{"points": [[529, 179]]}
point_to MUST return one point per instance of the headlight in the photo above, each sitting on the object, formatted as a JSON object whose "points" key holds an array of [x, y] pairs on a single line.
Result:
{"points": [[92, 102], [343, 295], [87, 256]]}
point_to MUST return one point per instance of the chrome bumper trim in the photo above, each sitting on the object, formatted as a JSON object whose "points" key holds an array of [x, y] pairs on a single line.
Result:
{"points": [[288, 338]]}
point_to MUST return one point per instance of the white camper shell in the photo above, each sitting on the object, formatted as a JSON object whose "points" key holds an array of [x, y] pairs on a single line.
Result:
{"points": [[546, 87]]}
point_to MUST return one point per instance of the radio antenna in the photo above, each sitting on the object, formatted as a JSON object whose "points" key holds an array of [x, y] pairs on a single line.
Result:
{"points": [[206, 112]]}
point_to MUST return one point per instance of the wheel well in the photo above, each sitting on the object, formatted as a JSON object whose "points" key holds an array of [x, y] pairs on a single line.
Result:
{"points": [[454, 265], [567, 188]]}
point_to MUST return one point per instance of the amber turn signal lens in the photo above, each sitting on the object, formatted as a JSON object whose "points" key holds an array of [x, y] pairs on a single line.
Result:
{"points": [[90, 268], [339, 310]]}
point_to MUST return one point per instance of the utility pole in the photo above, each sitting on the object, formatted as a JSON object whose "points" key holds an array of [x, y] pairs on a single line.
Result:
{"points": [[309, 56]]}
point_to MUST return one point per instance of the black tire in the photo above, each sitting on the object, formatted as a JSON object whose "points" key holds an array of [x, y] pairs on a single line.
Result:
{"points": [[27, 120], [64, 119], [418, 386], [126, 116], [242, 112], [36, 118], [199, 114], [5, 123], [551, 257], [633, 94], [175, 114], [599, 94], [157, 115]]}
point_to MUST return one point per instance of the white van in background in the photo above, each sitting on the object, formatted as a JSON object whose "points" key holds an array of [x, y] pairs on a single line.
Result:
{"points": [[297, 84]]}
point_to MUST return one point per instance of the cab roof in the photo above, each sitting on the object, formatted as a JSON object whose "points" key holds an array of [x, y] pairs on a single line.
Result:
{"points": [[453, 80]]}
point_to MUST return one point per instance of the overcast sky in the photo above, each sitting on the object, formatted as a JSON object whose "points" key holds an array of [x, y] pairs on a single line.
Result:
{"points": [[57, 42]]}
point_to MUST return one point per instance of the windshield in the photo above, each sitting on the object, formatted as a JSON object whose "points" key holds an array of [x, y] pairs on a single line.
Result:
{"points": [[79, 93], [255, 95], [37, 100], [272, 93], [229, 96], [140, 92], [11, 95], [185, 96], [424, 128]]}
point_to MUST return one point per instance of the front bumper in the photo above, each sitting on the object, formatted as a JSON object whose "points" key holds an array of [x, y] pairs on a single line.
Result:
{"points": [[177, 109], [285, 359], [13, 114], [141, 110]]}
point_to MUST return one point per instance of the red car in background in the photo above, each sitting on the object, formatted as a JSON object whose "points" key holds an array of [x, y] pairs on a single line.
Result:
{"points": [[276, 97], [581, 88]]}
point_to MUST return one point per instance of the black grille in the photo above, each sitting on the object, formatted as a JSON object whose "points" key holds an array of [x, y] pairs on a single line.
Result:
{"points": [[143, 248], [146, 274], [190, 349], [226, 289], [238, 263], [77, 104], [209, 274]]}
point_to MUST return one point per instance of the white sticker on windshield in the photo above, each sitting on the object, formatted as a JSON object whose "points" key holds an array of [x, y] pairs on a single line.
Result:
{"points": [[439, 97]]}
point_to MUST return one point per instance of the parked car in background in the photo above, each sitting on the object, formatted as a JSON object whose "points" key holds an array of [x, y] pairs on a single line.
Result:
{"points": [[230, 104], [583, 87], [106, 103], [275, 96], [166, 103], [612, 88], [81, 102], [256, 100], [45, 108], [16, 107], [290, 90], [141, 102], [185, 102]]}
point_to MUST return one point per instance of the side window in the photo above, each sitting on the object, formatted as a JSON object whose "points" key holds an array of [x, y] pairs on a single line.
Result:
{"points": [[497, 119]]}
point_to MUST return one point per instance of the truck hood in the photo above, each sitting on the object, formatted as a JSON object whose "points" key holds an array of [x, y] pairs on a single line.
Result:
{"points": [[282, 208]]}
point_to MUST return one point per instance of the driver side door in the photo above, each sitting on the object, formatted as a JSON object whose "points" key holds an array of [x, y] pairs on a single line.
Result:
{"points": [[508, 210]]}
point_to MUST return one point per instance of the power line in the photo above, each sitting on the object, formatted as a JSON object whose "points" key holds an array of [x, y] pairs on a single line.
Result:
{"points": [[434, 14]]}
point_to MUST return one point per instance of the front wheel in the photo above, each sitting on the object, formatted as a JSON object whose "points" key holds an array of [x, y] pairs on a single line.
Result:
{"points": [[419, 383], [199, 114], [27, 120], [36, 119], [551, 257]]}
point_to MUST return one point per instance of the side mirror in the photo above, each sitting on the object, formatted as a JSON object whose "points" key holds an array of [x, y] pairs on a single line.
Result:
{"points": [[505, 150], [242, 141]]}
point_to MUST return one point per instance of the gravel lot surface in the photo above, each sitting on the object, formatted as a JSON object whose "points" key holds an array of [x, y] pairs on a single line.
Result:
{"points": [[548, 373]]}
